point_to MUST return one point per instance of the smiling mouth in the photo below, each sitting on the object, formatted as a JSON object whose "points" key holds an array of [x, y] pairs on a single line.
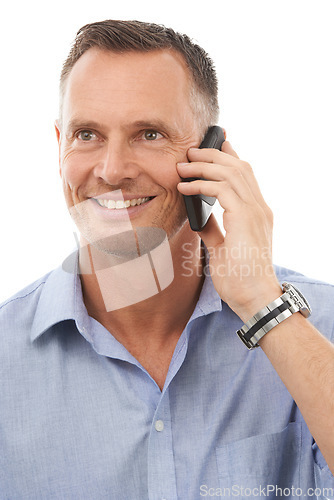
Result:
{"points": [[120, 204]]}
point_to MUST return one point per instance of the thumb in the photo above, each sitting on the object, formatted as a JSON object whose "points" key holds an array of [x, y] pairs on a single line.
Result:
{"points": [[212, 235]]}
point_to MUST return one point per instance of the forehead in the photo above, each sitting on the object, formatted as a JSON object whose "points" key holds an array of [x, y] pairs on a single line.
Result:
{"points": [[101, 80]]}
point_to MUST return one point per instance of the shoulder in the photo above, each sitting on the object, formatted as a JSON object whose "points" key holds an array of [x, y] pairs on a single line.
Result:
{"points": [[23, 302], [26, 294], [315, 287], [319, 294]]}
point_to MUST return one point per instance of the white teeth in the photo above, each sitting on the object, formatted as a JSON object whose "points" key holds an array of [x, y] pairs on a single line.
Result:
{"points": [[112, 204]]}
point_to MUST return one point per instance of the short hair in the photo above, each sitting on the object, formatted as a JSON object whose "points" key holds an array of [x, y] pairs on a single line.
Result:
{"points": [[138, 36]]}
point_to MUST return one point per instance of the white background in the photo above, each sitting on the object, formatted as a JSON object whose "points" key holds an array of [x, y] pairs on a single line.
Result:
{"points": [[275, 64]]}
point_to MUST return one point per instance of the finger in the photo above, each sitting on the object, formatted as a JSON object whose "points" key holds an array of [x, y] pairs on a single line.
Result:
{"points": [[210, 155], [223, 191], [248, 174], [224, 158], [227, 148], [211, 234], [213, 172]]}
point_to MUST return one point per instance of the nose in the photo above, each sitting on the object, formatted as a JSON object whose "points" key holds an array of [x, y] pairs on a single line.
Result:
{"points": [[118, 163]]}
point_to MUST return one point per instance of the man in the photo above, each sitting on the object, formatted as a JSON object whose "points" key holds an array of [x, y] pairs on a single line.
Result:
{"points": [[157, 397]]}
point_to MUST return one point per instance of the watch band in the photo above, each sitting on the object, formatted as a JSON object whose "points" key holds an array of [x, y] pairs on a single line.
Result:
{"points": [[269, 317]]}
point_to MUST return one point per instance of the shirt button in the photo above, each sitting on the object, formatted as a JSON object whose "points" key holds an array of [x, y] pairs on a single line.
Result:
{"points": [[159, 425]]}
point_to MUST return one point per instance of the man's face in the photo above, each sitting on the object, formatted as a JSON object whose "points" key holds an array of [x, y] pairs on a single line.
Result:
{"points": [[126, 122]]}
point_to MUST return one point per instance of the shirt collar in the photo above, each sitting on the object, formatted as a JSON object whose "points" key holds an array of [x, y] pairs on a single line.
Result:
{"points": [[209, 300], [57, 301], [61, 300]]}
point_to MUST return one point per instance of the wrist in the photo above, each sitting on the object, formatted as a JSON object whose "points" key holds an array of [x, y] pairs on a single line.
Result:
{"points": [[261, 296], [278, 310]]}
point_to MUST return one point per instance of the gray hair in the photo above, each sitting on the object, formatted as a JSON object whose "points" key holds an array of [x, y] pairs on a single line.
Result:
{"points": [[126, 36]]}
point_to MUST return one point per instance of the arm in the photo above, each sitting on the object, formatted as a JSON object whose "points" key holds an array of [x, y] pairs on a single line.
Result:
{"points": [[244, 277], [304, 360]]}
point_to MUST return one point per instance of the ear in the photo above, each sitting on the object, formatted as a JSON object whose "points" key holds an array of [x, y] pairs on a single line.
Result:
{"points": [[58, 134]]}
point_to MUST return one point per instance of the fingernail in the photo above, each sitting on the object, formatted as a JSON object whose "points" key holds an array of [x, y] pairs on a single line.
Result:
{"points": [[182, 164]]}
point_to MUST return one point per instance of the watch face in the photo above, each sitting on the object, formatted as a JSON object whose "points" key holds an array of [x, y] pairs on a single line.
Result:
{"points": [[301, 301]]}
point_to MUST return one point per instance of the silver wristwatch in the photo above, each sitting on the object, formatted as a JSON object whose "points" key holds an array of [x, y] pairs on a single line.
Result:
{"points": [[274, 313]]}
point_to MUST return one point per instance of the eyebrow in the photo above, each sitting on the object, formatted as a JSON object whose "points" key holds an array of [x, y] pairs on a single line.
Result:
{"points": [[154, 124], [77, 123]]}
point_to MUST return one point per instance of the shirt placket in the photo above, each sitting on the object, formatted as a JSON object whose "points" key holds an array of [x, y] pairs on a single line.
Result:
{"points": [[161, 463]]}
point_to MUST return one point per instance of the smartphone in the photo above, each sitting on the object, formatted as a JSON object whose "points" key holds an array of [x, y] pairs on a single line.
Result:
{"points": [[199, 206]]}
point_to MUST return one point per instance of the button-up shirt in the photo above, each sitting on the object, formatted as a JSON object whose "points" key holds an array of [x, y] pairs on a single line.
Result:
{"points": [[80, 418]]}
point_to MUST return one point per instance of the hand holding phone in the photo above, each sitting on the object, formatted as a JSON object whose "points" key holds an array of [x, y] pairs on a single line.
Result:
{"points": [[199, 206]]}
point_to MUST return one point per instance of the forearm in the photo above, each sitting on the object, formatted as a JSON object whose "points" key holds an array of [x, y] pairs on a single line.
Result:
{"points": [[302, 357], [304, 360]]}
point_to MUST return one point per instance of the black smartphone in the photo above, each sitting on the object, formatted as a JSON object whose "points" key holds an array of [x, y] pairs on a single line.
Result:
{"points": [[199, 206]]}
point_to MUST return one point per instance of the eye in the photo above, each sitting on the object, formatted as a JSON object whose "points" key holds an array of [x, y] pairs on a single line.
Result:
{"points": [[151, 135], [86, 135]]}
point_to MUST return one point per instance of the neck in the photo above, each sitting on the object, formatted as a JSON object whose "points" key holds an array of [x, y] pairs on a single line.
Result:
{"points": [[166, 310]]}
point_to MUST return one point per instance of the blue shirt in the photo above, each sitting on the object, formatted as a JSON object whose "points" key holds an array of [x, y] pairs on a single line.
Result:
{"points": [[81, 419]]}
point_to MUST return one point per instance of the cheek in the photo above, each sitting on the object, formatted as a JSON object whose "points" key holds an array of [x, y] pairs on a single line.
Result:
{"points": [[161, 167], [166, 176], [75, 168]]}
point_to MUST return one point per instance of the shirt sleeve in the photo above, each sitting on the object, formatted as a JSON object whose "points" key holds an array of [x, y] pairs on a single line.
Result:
{"points": [[324, 479]]}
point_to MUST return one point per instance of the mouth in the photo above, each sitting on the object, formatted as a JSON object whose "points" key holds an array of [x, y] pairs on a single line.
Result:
{"points": [[122, 204]]}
